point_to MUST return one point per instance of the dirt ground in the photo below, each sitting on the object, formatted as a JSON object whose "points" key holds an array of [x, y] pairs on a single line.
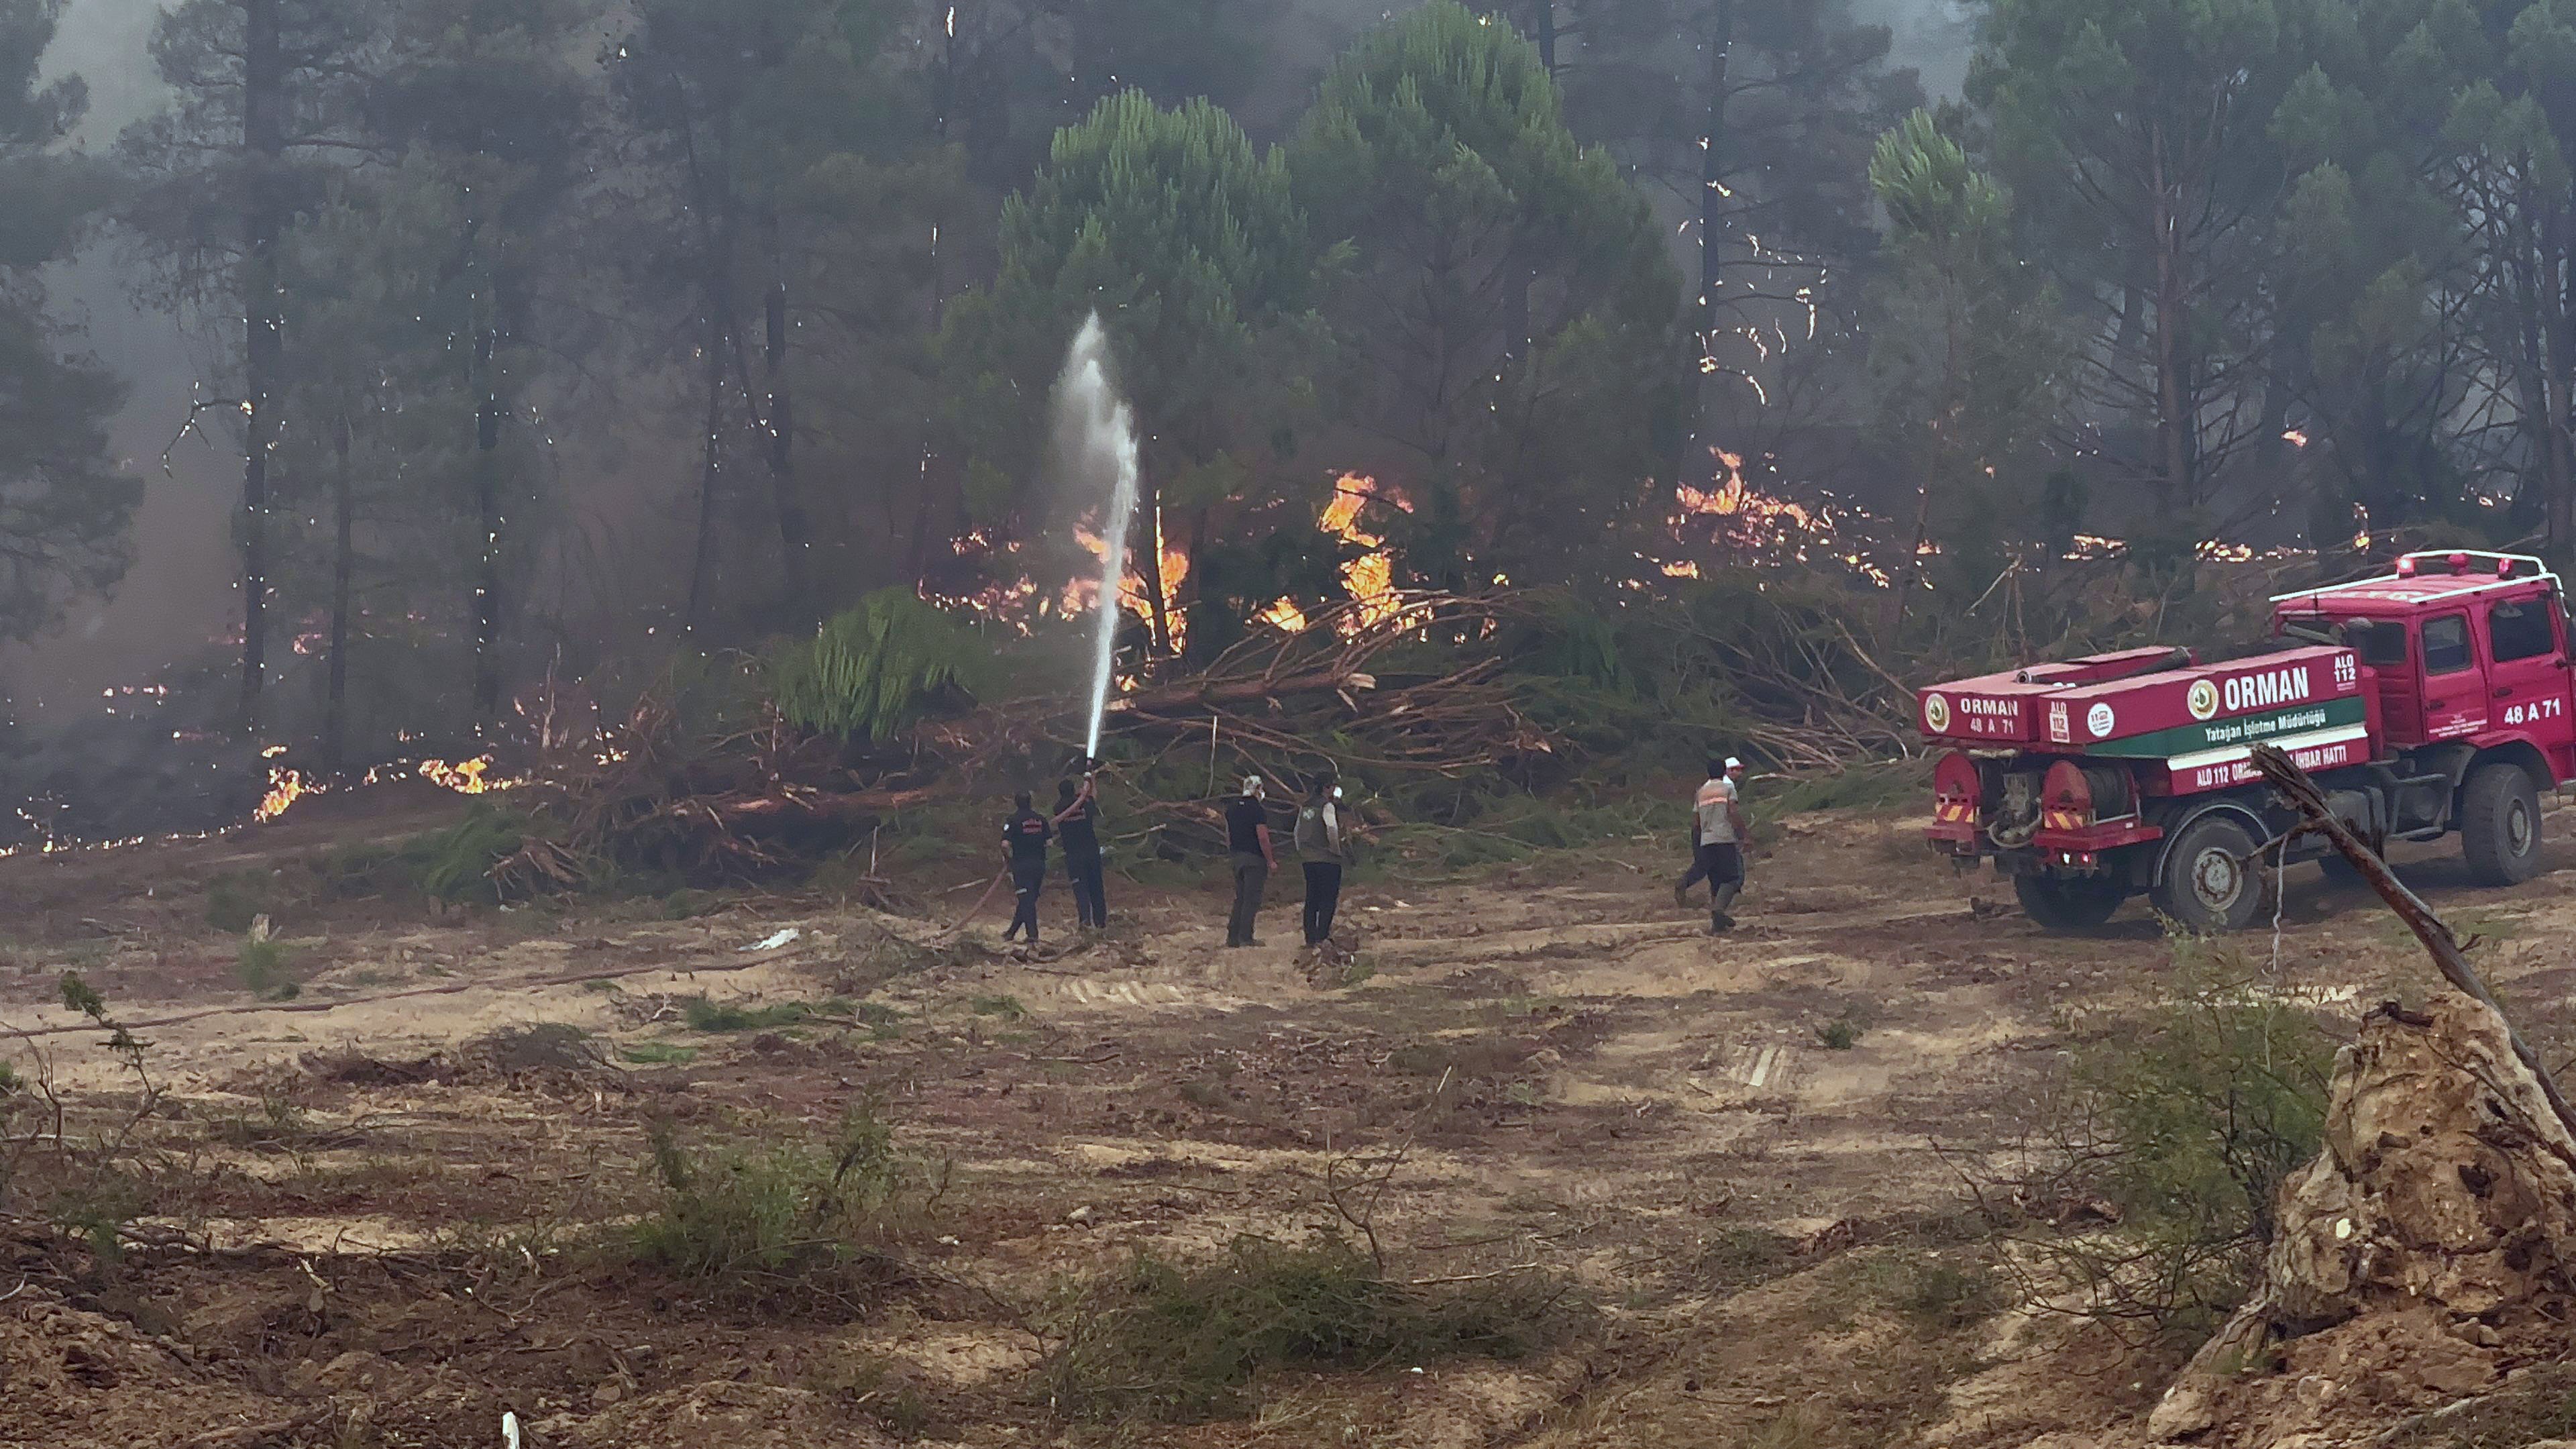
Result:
{"points": [[368, 1213]]}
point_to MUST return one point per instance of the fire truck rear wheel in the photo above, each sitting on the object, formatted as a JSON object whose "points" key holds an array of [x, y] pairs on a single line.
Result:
{"points": [[2207, 884], [2061, 904], [2500, 824]]}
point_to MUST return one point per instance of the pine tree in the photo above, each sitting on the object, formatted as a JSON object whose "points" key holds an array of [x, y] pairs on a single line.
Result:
{"points": [[2138, 140], [1511, 311], [64, 509], [265, 111], [736, 105], [1190, 246]]}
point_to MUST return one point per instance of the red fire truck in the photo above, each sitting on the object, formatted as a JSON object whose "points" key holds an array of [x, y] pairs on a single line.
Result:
{"points": [[2434, 699]]}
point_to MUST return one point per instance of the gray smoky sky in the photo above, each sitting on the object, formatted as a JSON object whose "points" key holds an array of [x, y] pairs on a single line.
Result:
{"points": [[1933, 36], [180, 593]]}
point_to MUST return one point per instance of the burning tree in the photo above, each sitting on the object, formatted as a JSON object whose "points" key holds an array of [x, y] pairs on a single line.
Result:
{"points": [[1187, 243], [1510, 313]]}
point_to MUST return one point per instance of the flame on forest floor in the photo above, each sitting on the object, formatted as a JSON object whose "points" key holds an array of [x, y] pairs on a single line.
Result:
{"points": [[1753, 520], [465, 777], [285, 787]]}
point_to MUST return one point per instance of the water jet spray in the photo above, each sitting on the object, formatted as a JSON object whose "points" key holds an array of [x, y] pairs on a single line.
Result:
{"points": [[1096, 431]]}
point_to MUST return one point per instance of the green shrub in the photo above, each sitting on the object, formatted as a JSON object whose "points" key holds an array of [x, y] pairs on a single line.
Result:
{"points": [[1891, 785], [790, 1223], [657, 1054], [236, 899], [2181, 1123], [261, 968], [1941, 1296], [1839, 1036], [1169, 1342], [2210, 1101], [872, 671], [456, 864], [705, 1015]]}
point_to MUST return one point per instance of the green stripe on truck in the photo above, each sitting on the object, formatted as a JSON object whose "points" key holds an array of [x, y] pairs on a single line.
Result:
{"points": [[2244, 730]]}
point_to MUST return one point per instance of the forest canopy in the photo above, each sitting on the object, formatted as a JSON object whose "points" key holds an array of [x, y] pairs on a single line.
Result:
{"points": [[553, 338]]}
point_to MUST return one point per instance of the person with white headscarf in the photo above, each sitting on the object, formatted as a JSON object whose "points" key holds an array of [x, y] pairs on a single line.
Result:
{"points": [[1247, 841]]}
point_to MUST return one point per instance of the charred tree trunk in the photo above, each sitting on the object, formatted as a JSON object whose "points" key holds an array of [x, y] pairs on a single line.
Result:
{"points": [[1149, 517], [264, 342], [2558, 349], [1543, 30], [2176, 428], [335, 728], [487, 503], [795, 529], [711, 185], [943, 86], [1712, 226], [710, 471]]}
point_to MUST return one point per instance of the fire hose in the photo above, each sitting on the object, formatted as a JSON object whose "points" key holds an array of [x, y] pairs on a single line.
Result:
{"points": [[981, 901]]}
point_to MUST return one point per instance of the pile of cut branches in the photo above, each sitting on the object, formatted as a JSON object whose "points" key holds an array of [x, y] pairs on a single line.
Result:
{"points": [[1387, 687]]}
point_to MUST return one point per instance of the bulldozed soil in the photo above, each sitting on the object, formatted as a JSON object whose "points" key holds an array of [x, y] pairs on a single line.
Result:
{"points": [[384, 1212]]}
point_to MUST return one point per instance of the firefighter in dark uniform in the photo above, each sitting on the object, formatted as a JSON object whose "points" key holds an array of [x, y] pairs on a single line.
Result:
{"points": [[1024, 837], [1077, 825]]}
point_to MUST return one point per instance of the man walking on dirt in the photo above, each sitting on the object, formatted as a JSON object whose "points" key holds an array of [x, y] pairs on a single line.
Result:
{"points": [[1717, 843], [1321, 848], [1024, 839], [1247, 840], [1077, 826]]}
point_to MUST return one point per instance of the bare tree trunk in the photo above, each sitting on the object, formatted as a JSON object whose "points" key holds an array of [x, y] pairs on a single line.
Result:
{"points": [[487, 500], [795, 529], [711, 466], [1544, 32], [335, 728], [2558, 356], [1150, 518], [2174, 422], [1712, 226], [943, 100], [264, 343]]}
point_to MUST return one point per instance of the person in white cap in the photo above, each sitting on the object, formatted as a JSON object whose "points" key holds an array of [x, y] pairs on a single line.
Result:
{"points": [[1324, 850], [1247, 840], [1717, 842]]}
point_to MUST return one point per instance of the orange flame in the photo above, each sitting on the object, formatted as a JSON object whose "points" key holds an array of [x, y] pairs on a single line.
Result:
{"points": [[1370, 578], [285, 787], [1752, 520], [465, 777]]}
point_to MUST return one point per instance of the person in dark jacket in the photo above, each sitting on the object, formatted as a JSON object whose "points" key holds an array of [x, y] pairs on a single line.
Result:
{"points": [[1077, 826], [1247, 840], [1323, 850], [1024, 839]]}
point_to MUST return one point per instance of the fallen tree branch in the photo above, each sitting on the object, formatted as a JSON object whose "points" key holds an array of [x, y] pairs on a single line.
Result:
{"points": [[2293, 785]]}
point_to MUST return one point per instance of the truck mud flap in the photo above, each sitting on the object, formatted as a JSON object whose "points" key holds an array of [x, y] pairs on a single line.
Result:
{"points": [[2422, 807]]}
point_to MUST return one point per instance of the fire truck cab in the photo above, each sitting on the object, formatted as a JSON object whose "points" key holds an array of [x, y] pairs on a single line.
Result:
{"points": [[2439, 697]]}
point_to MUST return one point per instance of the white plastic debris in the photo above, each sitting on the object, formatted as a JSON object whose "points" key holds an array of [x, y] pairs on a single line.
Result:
{"points": [[776, 940], [509, 1430]]}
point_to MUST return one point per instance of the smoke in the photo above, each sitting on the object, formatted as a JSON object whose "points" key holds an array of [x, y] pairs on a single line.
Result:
{"points": [[180, 593], [1934, 37]]}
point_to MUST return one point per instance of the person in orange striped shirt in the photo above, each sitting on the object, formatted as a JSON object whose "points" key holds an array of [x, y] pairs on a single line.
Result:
{"points": [[1717, 843]]}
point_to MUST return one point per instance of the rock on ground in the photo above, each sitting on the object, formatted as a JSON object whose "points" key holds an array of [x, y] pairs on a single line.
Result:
{"points": [[2429, 1251]]}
